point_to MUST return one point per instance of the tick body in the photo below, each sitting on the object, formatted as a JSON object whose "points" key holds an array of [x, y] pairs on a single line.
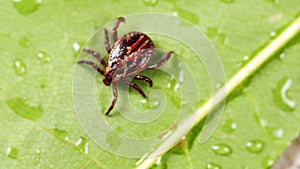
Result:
{"points": [[129, 55]]}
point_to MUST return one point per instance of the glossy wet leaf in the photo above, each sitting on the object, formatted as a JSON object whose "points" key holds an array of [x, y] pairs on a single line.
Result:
{"points": [[40, 43]]}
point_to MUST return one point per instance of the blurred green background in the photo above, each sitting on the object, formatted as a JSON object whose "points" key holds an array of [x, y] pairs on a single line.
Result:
{"points": [[40, 43]]}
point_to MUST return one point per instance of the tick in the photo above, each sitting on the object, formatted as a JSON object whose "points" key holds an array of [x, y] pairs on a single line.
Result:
{"points": [[129, 55]]}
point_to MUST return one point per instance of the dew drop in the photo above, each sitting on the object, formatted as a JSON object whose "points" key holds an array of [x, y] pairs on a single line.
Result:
{"points": [[226, 41], [83, 145], [174, 88], [23, 109], [278, 133], [275, 132], [227, 1], [175, 13], [281, 97], [151, 2], [37, 157], [229, 126], [177, 87], [213, 166], [267, 162], [246, 58], [272, 34], [26, 7], [20, 67], [155, 103], [76, 46], [181, 76], [262, 122], [43, 57], [146, 104], [60, 134], [184, 13], [255, 146], [282, 55], [222, 149], [12, 152], [169, 85], [176, 100], [218, 85]]}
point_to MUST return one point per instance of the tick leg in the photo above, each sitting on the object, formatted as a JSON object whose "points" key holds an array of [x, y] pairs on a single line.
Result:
{"points": [[144, 79], [96, 55], [95, 66], [162, 61], [115, 29], [106, 41], [115, 92], [136, 87]]}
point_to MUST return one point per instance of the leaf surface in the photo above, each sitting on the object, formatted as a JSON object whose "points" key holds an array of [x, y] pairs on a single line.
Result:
{"points": [[40, 43]]}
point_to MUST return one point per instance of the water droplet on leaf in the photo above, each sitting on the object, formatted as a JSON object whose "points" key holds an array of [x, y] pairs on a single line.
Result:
{"points": [[76, 47], [146, 104], [43, 57], [246, 57], [23, 109], [278, 133], [26, 7], [275, 132], [281, 95], [60, 134], [272, 34], [185, 13], [174, 88], [218, 85], [12, 152], [229, 126], [83, 145], [181, 76], [226, 41], [222, 149], [261, 121], [19, 67], [175, 13], [268, 162], [255, 146], [155, 103], [213, 166], [38, 157], [282, 55]]}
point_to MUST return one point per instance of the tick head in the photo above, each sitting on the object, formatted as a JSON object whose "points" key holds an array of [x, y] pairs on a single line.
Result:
{"points": [[107, 81]]}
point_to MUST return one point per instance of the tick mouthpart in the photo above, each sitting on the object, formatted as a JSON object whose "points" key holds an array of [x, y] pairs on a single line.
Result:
{"points": [[107, 81]]}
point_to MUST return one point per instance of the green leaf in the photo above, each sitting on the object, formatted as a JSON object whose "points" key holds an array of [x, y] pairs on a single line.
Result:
{"points": [[40, 43]]}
